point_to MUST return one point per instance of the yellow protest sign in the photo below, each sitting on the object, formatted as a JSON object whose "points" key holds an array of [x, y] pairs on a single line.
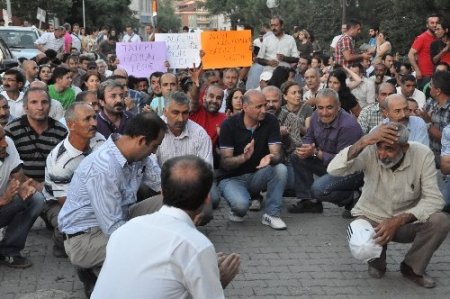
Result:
{"points": [[225, 49]]}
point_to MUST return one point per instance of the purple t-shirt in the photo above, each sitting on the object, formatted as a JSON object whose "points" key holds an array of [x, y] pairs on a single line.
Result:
{"points": [[332, 138]]}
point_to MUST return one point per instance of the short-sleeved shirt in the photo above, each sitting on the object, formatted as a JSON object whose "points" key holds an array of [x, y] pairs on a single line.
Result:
{"points": [[209, 121], [234, 135], [273, 45], [422, 45], [345, 43], [66, 97], [49, 41], [440, 118], [11, 162], [33, 148], [61, 164]]}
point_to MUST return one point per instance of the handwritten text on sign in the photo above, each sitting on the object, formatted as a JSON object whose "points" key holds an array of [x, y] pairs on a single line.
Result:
{"points": [[183, 49], [142, 59], [226, 49]]}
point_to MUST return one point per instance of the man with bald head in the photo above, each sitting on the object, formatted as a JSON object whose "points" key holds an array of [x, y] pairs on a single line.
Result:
{"points": [[251, 156], [30, 70], [169, 83], [396, 109], [371, 115]]}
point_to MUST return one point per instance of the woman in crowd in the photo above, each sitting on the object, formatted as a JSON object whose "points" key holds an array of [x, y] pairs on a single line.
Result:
{"points": [[292, 95], [349, 103], [91, 81], [305, 46], [234, 101], [383, 45], [45, 73]]}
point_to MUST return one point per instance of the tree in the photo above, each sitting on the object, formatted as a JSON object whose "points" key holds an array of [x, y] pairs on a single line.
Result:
{"points": [[167, 21]]}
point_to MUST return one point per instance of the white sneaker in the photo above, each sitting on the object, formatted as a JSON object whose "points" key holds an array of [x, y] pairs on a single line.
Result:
{"points": [[274, 222], [234, 218], [255, 206]]}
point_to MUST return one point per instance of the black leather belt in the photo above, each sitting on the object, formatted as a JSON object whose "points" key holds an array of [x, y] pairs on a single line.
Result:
{"points": [[68, 236]]}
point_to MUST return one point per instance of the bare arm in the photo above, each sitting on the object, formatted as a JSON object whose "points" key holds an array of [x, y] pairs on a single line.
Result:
{"points": [[412, 59], [445, 164], [230, 162], [437, 57], [348, 56]]}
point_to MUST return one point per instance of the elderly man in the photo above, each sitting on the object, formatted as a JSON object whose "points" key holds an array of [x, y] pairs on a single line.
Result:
{"points": [[112, 117], [64, 159], [331, 130], [19, 205], [396, 109], [51, 40], [313, 85], [251, 156], [102, 193], [35, 134], [401, 199], [371, 115], [183, 262]]}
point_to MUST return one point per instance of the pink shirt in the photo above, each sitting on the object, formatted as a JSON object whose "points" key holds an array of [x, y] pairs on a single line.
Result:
{"points": [[67, 42]]}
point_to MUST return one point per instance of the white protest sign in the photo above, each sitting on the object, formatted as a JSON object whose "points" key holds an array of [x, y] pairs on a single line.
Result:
{"points": [[183, 49]]}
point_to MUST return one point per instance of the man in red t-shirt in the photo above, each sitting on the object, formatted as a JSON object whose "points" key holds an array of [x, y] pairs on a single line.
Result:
{"points": [[419, 54], [208, 115]]}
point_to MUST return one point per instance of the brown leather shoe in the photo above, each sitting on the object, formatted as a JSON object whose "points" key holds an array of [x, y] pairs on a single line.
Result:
{"points": [[422, 280], [375, 272]]}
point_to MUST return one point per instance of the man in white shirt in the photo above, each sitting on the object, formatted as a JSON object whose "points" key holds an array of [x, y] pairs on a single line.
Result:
{"points": [[51, 40], [278, 49], [408, 90], [183, 262], [13, 81], [130, 36]]}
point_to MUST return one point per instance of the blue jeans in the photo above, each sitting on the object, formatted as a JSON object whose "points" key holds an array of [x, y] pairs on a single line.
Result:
{"points": [[19, 216], [445, 189], [338, 190], [236, 190]]}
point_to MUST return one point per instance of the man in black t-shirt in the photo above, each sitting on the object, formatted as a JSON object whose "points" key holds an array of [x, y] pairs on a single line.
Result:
{"points": [[250, 148]]}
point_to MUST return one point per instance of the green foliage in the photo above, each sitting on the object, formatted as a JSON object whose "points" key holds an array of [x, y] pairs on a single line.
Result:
{"points": [[402, 20], [167, 20]]}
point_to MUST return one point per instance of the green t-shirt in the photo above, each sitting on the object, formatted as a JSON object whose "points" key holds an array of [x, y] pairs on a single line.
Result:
{"points": [[66, 97]]}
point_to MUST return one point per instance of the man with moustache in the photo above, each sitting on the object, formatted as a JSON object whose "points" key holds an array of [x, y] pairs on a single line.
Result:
{"points": [[402, 201], [419, 55], [62, 161], [169, 83], [372, 115], [331, 130], [186, 137], [13, 81], [113, 116], [278, 49], [35, 134], [313, 85]]}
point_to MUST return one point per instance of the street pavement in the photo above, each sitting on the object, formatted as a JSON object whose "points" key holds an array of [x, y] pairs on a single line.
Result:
{"points": [[308, 260]]}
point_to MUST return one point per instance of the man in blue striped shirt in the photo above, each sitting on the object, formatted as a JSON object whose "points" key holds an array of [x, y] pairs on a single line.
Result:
{"points": [[102, 193]]}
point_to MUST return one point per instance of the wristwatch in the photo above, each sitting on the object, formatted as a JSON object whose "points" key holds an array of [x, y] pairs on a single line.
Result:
{"points": [[316, 153]]}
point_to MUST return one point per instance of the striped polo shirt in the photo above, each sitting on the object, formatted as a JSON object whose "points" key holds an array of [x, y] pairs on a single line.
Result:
{"points": [[33, 148]]}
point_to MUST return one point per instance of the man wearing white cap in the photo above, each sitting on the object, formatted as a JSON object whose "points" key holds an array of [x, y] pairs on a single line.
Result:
{"points": [[264, 80], [401, 201]]}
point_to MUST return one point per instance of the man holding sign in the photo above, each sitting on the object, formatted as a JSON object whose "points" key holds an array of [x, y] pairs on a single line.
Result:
{"points": [[278, 49]]}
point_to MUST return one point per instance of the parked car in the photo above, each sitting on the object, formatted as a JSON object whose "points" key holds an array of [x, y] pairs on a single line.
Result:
{"points": [[7, 59], [20, 40]]}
